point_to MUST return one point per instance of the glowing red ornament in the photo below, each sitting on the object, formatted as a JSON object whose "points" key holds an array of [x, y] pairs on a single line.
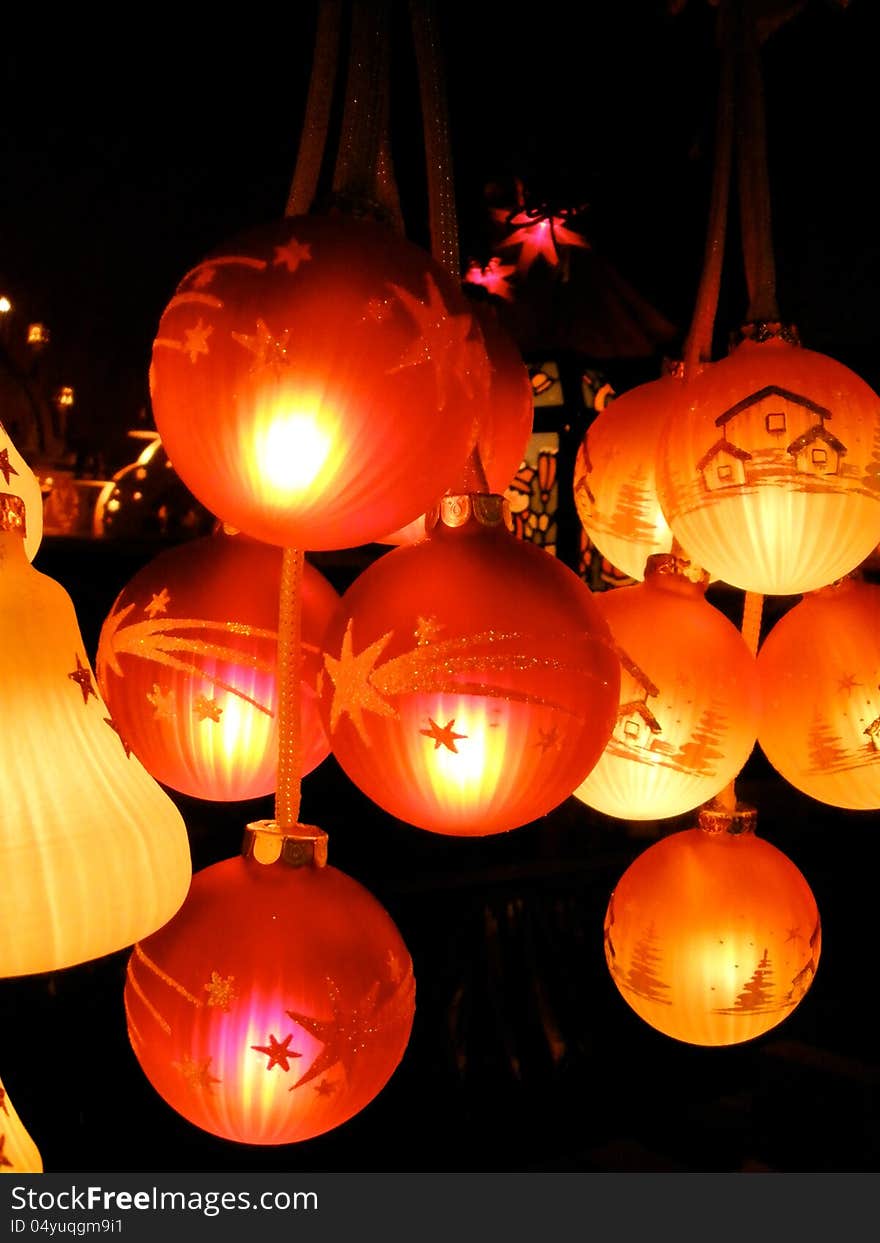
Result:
{"points": [[316, 382], [769, 475], [689, 698], [820, 669], [713, 936], [278, 1001], [470, 681], [187, 661]]}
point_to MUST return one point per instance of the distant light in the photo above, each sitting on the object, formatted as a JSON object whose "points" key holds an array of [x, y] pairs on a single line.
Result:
{"points": [[37, 334], [64, 396], [5, 305]]}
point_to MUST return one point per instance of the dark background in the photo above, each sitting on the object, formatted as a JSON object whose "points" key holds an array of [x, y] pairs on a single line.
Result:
{"points": [[128, 153]]}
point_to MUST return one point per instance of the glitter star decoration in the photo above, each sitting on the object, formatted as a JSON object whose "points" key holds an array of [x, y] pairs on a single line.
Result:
{"points": [[268, 349], [353, 693], [6, 467], [163, 703], [206, 709], [82, 675], [106, 650], [427, 630], [220, 990], [292, 255], [158, 604], [277, 1052], [343, 1037], [442, 343], [195, 342], [442, 735], [197, 1073], [108, 720]]}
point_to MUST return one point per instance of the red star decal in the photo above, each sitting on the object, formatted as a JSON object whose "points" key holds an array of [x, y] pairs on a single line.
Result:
{"points": [[108, 720], [443, 735], [442, 344], [82, 675], [6, 466], [277, 1053]]}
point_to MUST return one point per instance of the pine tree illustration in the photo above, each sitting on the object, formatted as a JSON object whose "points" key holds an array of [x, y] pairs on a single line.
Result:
{"points": [[629, 519], [825, 748], [698, 753], [758, 991], [642, 978]]}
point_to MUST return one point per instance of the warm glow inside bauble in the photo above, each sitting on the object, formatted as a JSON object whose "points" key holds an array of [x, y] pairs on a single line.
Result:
{"points": [[689, 698], [712, 937], [187, 661], [820, 671], [317, 382], [279, 1000], [94, 852], [18, 1152], [615, 490], [505, 422], [17, 479], [769, 475], [470, 681]]}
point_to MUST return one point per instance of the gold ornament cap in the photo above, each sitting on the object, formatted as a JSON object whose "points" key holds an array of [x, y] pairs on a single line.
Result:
{"points": [[13, 514], [666, 566], [763, 330], [715, 818], [303, 845], [485, 509]]}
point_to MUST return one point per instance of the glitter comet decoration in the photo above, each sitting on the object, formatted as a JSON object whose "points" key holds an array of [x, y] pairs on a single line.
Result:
{"points": [[317, 382], [187, 665], [455, 704], [279, 1000], [712, 935]]}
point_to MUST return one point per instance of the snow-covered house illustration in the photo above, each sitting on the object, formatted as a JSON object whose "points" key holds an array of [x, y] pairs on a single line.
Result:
{"points": [[873, 732], [636, 724], [776, 424]]}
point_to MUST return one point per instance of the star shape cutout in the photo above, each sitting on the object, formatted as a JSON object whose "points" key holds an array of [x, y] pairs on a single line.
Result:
{"points": [[82, 675], [325, 1088], [541, 235], [5, 1163], [195, 340], [344, 1036], [6, 466], [427, 630], [443, 735], [292, 255], [353, 693], [197, 1073], [277, 1052], [268, 349], [442, 341], [106, 649], [158, 604], [206, 709], [220, 990], [848, 683], [108, 720], [163, 703], [794, 934]]}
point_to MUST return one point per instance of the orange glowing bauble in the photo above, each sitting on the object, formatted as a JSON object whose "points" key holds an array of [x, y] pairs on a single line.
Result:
{"points": [[187, 660], [689, 698], [470, 680], [505, 423], [713, 937], [769, 475], [278, 1001], [820, 668], [615, 490], [317, 382]]}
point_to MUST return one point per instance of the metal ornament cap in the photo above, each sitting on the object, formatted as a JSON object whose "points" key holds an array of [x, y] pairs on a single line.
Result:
{"points": [[485, 509], [302, 845], [715, 818], [13, 515]]}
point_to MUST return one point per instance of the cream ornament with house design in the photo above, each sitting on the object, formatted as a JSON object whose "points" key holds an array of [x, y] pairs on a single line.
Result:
{"points": [[17, 479], [689, 698], [769, 475], [820, 673]]}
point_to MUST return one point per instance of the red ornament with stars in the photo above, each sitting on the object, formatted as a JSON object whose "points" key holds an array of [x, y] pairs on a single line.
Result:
{"points": [[277, 1002], [317, 381]]}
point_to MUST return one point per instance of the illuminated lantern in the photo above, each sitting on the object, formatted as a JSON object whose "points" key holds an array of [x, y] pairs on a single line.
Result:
{"points": [[470, 681], [187, 659], [317, 382], [689, 698], [17, 479], [820, 672], [615, 490], [712, 935], [278, 1001], [505, 423], [769, 475], [94, 851], [18, 1152]]}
